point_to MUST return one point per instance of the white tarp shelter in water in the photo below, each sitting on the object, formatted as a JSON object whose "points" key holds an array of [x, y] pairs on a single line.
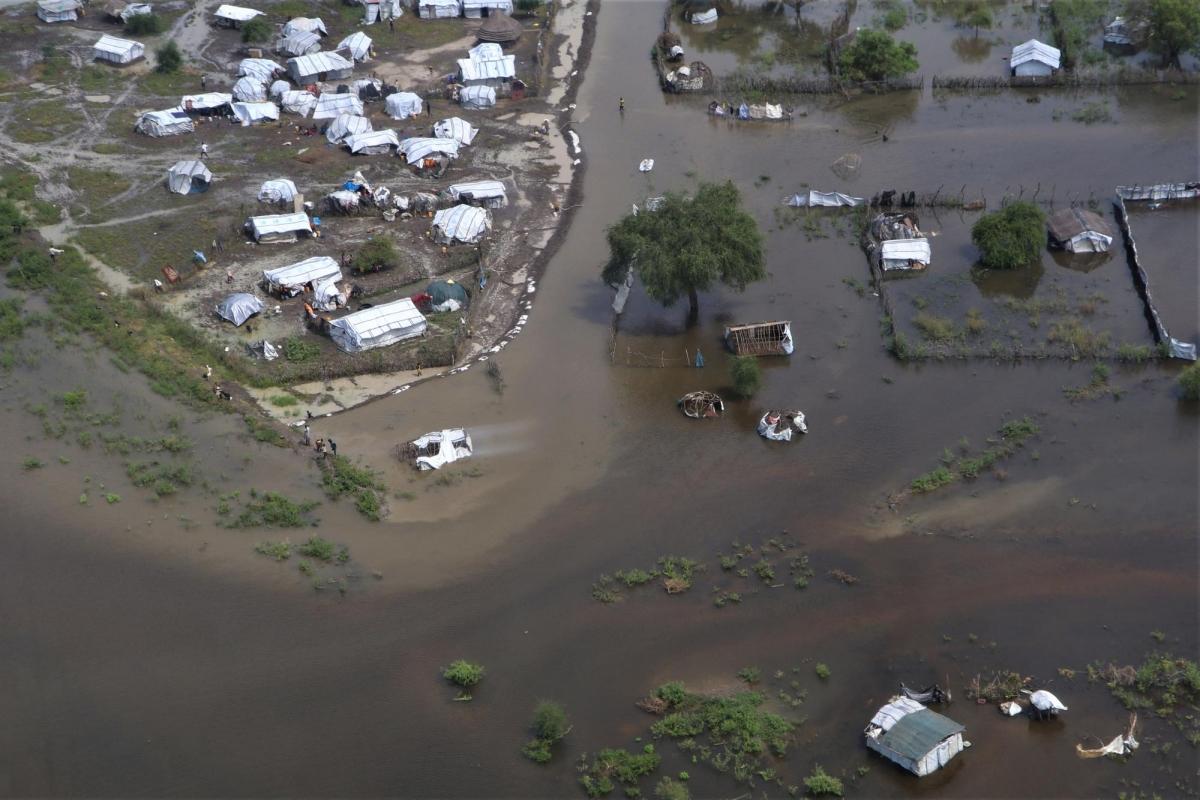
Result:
{"points": [[1078, 230], [377, 327], [377, 10], [486, 194], [436, 449], [58, 10], [461, 223], [403, 105], [290, 280], [332, 106], [279, 190], [171, 122], [249, 90], [264, 69], [300, 43], [372, 143], [298, 101], [455, 128], [705, 17], [250, 113], [237, 308], [209, 101], [815, 199], [316, 67], [346, 125], [903, 254], [482, 8], [305, 25], [357, 44], [418, 148], [118, 51], [1034, 58], [234, 16], [439, 9], [277, 228], [476, 97], [909, 734], [186, 177]]}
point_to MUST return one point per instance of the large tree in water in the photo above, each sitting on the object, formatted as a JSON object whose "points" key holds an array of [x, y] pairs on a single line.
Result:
{"points": [[688, 244]]}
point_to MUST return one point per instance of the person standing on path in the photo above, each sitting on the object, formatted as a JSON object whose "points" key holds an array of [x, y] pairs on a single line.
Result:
{"points": [[307, 435], [333, 447], [203, 150]]}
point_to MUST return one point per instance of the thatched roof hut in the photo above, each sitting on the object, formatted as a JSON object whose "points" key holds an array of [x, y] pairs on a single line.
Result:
{"points": [[499, 28]]}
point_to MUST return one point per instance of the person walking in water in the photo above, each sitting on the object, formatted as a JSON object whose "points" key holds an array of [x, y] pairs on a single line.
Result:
{"points": [[332, 447], [621, 104]]}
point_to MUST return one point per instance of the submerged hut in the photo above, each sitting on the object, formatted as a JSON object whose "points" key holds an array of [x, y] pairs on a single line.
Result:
{"points": [[909, 734], [1078, 230], [1034, 58]]}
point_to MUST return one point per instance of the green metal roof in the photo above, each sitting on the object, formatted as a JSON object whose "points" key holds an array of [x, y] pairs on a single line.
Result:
{"points": [[917, 733]]}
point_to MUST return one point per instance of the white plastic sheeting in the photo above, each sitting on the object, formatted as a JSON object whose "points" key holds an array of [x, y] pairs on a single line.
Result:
{"points": [[118, 51], [448, 446], [474, 8], [901, 254], [327, 296], [645, 165], [1034, 58], [300, 43], [319, 66], [205, 102], [815, 199], [477, 97], [1045, 701], [490, 194], [298, 101], [332, 106], [278, 227], [705, 17], [455, 128], [377, 327], [237, 308], [346, 125], [304, 25], [403, 105], [277, 89], [942, 736], [58, 10], [358, 44], [781, 426], [182, 177], [171, 122], [375, 10], [290, 280], [440, 9], [461, 223], [264, 69], [279, 190], [418, 148], [486, 63], [372, 142], [236, 14], [250, 113], [250, 90]]}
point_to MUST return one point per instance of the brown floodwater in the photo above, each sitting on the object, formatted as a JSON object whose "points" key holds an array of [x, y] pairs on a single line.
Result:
{"points": [[147, 652]]}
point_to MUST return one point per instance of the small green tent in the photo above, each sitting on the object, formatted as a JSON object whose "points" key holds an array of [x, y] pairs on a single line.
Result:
{"points": [[441, 291]]}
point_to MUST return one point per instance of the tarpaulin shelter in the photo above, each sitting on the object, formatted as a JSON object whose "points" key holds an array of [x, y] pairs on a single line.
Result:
{"points": [[279, 190], [486, 194], [346, 125], [300, 43], [499, 27], [187, 177], [474, 9], [442, 293], [233, 16], [332, 106], [372, 143], [297, 101], [357, 44], [476, 97], [1034, 58], [814, 199], [378, 326], [908, 734], [327, 296], [342, 201], [439, 9], [461, 223], [904, 254], [118, 51], [207, 103], [418, 148], [171, 122], [376, 10], [237, 308], [251, 113], [249, 90], [305, 25], [455, 128], [1078, 230], [306, 69], [290, 280], [123, 11], [264, 69], [276, 89], [278, 228], [705, 17], [486, 65], [58, 10], [403, 105]]}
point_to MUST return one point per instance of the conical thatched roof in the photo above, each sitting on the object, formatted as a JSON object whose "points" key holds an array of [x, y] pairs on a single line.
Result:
{"points": [[499, 28]]}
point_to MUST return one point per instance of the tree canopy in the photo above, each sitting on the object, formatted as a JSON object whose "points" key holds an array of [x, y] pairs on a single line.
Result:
{"points": [[1173, 26], [875, 56], [1011, 237], [687, 245], [169, 58]]}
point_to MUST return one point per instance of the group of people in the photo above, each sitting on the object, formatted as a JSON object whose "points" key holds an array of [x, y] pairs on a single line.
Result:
{"points": [[320, 446]]}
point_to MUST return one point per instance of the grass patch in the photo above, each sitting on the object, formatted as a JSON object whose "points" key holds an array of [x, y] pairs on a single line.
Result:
{"points": [[1092, 113], [297, 349], [274, 510], [821, 784], [342, 477], [934, 328], [318, 548], [95, 187], [280, 551], [1162, 684], [164, 479], [284, 400], [617, 765], [37, 123], [1011, 436]]}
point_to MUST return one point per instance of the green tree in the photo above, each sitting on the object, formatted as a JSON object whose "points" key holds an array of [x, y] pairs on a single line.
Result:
{"points": [[875, 56], [169, 58], [687, 245], [463, 674], [976, 14], [1011, 237], [1173, 26], [1189, 382], [144, 24], [549, 727], [377, 253], [256, 30]]}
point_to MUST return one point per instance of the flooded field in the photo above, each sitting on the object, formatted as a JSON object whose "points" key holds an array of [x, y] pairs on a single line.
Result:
{"points": [[149, 656]]}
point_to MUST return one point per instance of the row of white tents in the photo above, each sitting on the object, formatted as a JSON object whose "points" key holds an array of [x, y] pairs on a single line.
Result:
{"points": [[473, 9]]}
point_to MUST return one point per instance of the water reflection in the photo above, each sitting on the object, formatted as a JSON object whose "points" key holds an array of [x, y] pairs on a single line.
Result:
{"points": [[1080, 262], [971, 49], [1019, 283]]}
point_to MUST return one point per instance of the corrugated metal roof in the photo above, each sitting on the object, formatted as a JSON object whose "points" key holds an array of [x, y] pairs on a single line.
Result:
{"points": [[488, 51], [206, 101], [120, 47], [372, 139], [455, 128], [504, 5], [478, 189], [317, 63], [906, 250], [378, 326], [417, 148], [330, 105], [917, 733], [1033, 50], [471, 69], [262, 68], [464, 223], [894, 711], [1068, 222], [317, 268], [237, 13], [280, 223]]}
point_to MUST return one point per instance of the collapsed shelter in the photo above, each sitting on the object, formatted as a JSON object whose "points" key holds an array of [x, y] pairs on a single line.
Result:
{"points": [[290, 280]]}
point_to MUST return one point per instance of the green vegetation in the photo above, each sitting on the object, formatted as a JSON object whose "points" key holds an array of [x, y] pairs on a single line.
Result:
{"points": [[893, 15], [975, 14], [620, 765], [297, 349], [464, 675], [1189, 382], [746, 375], [318, 548], [1097, 387], [95, 187], [1074, 23], [1011, 436], [112, 498], [676, 573], [876, 56], [256, 30], [284, 400], [688, 245], [169, 58], [1082, 342], [1173, 26], [932, 480], [669, 789], [821, 784], [528, 6], [19, 187], [823, 671], [342, 477], [1003, 685], [549, 727], [1011, 237], [280, 551], [1091, 113], [31, 463], [376, 254], [934, 328], [144, 25], [1165, 685], [274, 510], [164, 479]]}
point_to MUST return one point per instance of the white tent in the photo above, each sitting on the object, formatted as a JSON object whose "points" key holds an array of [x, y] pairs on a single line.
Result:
{"points": [[814, 199], [377, 327], [135, 9], [290, 280], [908, 734], [1034, 58], [486, 64], [298, 102], [455, 128], [439, 9], [461, 223], [418, 148], [372, 142], [118, 51], [209, 101], [316, 67], [476, 8], [264, 69], [234, 16], [476, 97], [486, 51], [279, 190], [331, 106], [171, 122], [403, 105], [58, 10], [899, 254], [249, 90], [376, 10], [305, 25], [301, 43], [273, 228], [346, 125], [278, 88], [358, 44], [237, 308], [488, 194], [186, 177], [250, 113], [327, 296], [705, 17]]}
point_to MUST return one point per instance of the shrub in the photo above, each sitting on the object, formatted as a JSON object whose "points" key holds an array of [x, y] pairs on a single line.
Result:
{"points": [[746, 375], [528, 6], [550, 721], [668, 789], [537, 750], [274, 510], [463, 674], [169, 58], [1011, 237], [256, 30], [875, 56], [318, 548], [1189, 382], [144, 24], [368, 504], [377, 253], [280, 551], [284, 400], [823, 671], [296, 349], [822, 784]]}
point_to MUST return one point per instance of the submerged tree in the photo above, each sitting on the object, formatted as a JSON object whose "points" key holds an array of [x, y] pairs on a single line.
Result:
{"points": [[688, 244], [1173, 26], [875, 56], [1011, 237], [976, 14]]}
